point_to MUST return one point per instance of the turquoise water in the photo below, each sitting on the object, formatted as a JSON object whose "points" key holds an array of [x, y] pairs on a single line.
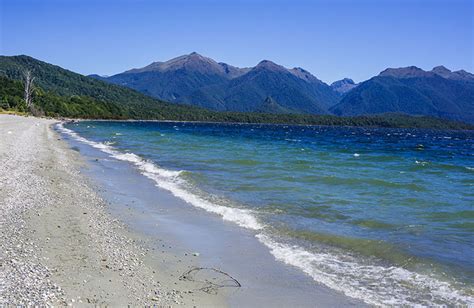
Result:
{"points": [[383, 215]]}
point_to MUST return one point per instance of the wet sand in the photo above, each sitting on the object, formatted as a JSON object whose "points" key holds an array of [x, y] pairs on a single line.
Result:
{"points": [[59, 244], [81, 228], [170, 225]]}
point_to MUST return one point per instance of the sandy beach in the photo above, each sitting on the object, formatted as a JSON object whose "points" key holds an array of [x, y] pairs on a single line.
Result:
{"points": [[79, 228], [58, 244]]}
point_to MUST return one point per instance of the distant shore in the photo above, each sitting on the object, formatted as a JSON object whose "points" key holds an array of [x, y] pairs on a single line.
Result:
{"points": [[59, 245], [387, 120], [463, 126]]}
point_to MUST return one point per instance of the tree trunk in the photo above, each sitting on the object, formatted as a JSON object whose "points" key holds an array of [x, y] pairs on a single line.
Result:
{"points": [[28, 89]]}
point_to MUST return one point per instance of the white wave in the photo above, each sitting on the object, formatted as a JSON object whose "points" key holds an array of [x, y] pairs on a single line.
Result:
{"points": [[242, 217], [373, 284], [169, 180], [423, 163]]}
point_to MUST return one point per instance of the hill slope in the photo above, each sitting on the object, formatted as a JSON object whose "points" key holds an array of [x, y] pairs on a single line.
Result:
{"points": [[269, 105], [440, 93], [72, 87]]}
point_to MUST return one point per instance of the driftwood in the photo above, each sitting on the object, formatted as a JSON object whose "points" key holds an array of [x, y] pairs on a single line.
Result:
{"points": [[215, 279]]}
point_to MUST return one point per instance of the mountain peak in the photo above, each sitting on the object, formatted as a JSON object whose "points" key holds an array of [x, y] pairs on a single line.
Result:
{"points": [[305, 75], [263, 62], [405, 72], [464, 74], [196, 56], [343, 81], [296, 71], [192, 62], [269, 65], [448, 74], [440, 69], [344, 85], [192, 57]]}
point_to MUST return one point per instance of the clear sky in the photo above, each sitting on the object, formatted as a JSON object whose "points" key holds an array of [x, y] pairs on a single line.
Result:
{"points": [[331, 39]]}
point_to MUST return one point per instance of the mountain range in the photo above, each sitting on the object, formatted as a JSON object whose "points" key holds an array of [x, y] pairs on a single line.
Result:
{"points": [[59, 92], [411, 90], [201, 81], [198, 80]]}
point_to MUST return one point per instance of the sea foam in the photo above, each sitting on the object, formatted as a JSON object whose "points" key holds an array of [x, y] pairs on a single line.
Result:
{"points": [[170, 181], [374, 284]]}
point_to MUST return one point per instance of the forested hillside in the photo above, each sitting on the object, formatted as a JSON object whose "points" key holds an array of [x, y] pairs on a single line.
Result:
{"points": [[438, 93], [76, 89], [62, 93]]}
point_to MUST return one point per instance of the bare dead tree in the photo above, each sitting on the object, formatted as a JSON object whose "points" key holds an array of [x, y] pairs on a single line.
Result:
{"points": [[28, 89]]}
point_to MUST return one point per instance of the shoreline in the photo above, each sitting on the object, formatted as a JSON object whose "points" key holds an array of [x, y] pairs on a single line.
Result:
{"points": [[81, 229], [155, 212], [172, 179], [59, 244], [85, 224]]}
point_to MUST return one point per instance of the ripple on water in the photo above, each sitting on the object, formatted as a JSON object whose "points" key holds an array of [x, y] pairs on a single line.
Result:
{"points": [[370, 226]]}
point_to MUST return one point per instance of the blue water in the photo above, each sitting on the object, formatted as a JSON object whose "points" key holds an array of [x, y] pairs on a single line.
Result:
{"points": [[383, 215]]}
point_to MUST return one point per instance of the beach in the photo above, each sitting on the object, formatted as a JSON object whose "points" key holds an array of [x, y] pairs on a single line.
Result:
{"points": [[81, 229], [58, 244], [118, 213]]}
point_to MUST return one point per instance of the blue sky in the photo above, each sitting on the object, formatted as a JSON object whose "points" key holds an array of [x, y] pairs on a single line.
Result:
{"points": [[331, 39]]}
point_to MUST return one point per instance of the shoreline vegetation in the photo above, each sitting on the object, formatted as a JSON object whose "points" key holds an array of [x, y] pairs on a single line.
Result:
{"points": [[442, 126], [384, 121], [60, 93]]}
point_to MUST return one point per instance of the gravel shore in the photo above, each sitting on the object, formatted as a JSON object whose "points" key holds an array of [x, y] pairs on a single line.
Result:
{"points": [[58, 243]]}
